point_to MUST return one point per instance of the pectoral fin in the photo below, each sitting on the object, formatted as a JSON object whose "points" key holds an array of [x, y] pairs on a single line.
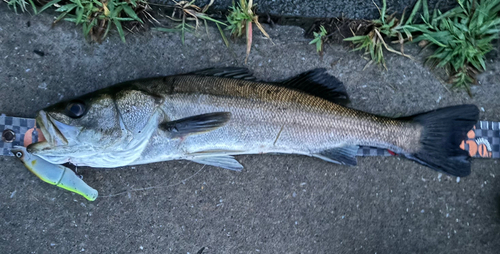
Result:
{"points": [[223, 161], [196, 124], [343, 155]]}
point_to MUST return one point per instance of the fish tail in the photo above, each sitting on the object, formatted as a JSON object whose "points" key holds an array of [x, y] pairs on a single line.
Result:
{"points": [[444, 129]]}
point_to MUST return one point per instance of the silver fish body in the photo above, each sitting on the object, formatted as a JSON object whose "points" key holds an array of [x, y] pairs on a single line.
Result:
{"points": [[211, 115]]}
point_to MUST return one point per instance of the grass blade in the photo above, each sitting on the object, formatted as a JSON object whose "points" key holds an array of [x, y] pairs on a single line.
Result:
{"points": [[416, 8], [49, 4], [222, 35], [120, 30], [249, 39], [131, 13]]}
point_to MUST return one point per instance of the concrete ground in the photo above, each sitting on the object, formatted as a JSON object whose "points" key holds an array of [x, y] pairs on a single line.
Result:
{"points": [[354, 9], [278, 203]]}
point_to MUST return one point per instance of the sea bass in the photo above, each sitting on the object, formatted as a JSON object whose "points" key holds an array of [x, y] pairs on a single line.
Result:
{"points": [[208, 116]]}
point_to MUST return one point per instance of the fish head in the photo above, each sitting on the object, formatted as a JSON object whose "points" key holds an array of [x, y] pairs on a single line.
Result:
{"points": [[94, 129]]}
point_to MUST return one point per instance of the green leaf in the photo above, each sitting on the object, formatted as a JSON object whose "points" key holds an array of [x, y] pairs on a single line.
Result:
{"points": [[314, 41], [79, 3], [79, 15], [61, 16], [131, 13], [33, 6], [384, 9], [206, 17], [66, 8], [124, 19], [483, 64], [222, 35], [434, 40], [120, 29], [70, 19], [116, 12], [49, 4], [323, 30], [356, 38], [426, 10], [107, 30], [416, 8]]}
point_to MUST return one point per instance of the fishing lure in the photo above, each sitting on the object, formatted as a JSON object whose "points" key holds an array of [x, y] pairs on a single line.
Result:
{"points": [[57, 175]]}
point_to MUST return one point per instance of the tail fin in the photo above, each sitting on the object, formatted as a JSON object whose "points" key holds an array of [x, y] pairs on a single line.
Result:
{"points": [[444, 130]]}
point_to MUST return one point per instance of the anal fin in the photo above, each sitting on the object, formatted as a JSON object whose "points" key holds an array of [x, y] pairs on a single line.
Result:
{"points": [[222, 161], [342, 155]]}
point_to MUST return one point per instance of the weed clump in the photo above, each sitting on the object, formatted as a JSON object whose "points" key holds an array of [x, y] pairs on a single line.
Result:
{"points": [[97, 16], [241, 18], [462, 36], [319, 39]]}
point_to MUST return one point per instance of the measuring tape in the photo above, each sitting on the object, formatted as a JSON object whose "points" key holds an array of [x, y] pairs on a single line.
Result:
{"points": [[483, 141]]}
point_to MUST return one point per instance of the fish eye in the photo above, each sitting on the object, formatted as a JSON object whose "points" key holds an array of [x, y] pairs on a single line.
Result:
{"points": [[75, 109], [19, 154]]}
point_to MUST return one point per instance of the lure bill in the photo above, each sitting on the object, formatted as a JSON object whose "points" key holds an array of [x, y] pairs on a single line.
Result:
{"points": [[57, 175]]}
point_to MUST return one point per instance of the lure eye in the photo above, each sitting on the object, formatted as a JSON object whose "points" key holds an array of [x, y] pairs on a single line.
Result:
{"points": [[75, 109]]}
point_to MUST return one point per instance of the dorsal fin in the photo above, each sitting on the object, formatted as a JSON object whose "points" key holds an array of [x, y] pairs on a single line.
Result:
{"points": [[319, 83], [226, 72]]}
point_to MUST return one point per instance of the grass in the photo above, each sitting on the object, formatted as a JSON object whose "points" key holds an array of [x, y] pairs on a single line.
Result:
{"points": [[187, 11], [462, 37], [386, 26], [241, 17], [97, 16], [21, 4], [319, 39]]}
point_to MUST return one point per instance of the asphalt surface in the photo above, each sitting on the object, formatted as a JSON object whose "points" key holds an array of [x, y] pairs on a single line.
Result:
{"points": [[278, 203]]}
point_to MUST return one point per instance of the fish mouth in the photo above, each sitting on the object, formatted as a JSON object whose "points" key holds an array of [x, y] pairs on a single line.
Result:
{"points": [[51, 129], [58, 139]]}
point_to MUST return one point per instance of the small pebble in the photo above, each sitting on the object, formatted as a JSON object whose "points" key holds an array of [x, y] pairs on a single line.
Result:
{"points": [[43, 86]]}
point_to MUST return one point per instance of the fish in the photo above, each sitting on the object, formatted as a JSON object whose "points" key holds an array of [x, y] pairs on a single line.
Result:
{"points": [[211, 115], [53, 174]]}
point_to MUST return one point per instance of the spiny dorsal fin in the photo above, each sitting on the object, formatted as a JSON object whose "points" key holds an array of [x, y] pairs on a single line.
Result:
{"points": [[319, 83], [226, 72], [196, 124]]}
